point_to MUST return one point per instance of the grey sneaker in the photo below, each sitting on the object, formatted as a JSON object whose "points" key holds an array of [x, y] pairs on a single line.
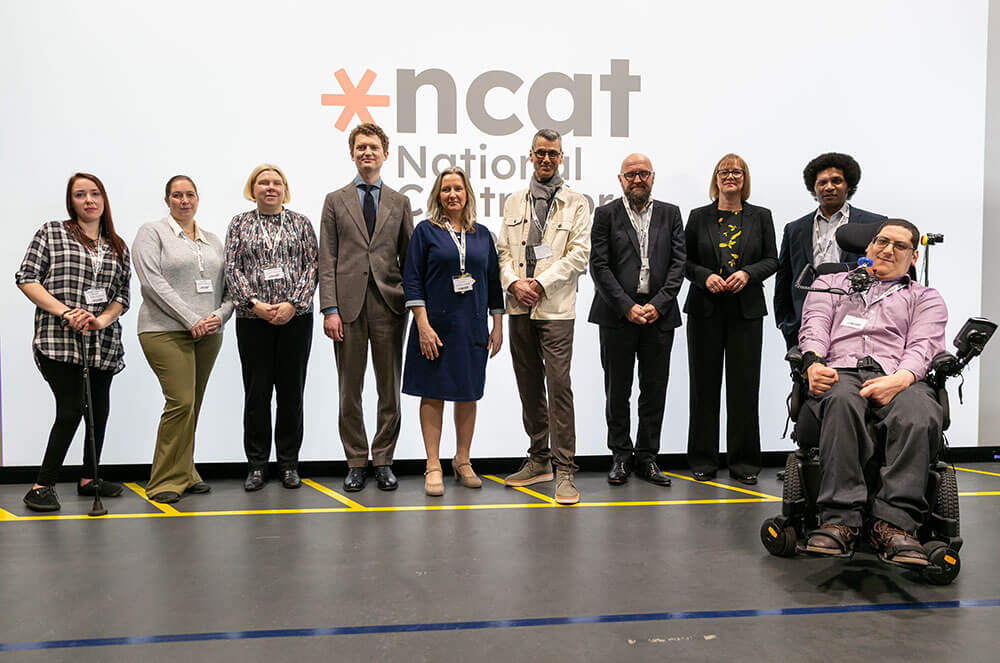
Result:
{"points": [[531, 472], [566, 492]]}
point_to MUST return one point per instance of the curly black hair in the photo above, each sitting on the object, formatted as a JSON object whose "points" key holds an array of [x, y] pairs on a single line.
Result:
{"points": [[846, 164]]}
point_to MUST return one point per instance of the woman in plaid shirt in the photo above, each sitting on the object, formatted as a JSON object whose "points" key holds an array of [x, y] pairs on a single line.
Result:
{"points": [[76, 272], [271, 272]]}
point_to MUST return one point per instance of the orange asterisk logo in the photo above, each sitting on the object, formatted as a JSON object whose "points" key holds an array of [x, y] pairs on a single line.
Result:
{"points": [[355, 100]]}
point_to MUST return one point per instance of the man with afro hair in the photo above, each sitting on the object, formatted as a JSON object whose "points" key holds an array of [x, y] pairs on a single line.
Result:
{"points": [[831, 178]]}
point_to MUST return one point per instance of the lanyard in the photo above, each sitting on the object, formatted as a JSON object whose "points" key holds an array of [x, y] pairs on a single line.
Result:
{"points": [[898, 286], [460, 247], [823, 249], [267, 236], [641, 225], [97, 256], [534, 215]]}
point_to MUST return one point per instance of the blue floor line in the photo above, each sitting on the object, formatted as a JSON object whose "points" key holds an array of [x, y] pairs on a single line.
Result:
{"points": [[493, 624]]}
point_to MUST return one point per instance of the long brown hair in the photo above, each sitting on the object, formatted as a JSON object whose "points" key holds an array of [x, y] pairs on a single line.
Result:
{"points": [[107, 228]]}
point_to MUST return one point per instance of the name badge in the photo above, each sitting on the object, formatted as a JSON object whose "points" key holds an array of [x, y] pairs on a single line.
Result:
{"points": [[854, 322], [462, 283], [643, 287], [543, 251], [203, 285], [95, 295], [274, 273]]}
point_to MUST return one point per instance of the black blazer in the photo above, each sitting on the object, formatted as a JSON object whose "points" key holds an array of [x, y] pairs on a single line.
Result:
{"points": [[758, 258], [615, 263], [796, 253]]}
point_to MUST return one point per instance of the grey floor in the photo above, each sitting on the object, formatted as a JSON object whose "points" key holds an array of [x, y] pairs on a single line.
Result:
{"points": [[69, 579]]}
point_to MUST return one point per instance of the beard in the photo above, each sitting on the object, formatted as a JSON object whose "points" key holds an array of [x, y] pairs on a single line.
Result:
{"points": [[638, 196]]}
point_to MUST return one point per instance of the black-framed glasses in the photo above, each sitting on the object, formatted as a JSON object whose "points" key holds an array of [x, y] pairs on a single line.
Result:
{"points": [[881, 242], [642, 175], [735, 173], [552, 154]]}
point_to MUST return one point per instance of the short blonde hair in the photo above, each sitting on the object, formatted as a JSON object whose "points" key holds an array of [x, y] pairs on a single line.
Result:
{"points": [[435, 213], [255, 173], [713, 186]]}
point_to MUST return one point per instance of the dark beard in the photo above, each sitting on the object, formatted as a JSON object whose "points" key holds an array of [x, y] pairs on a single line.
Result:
{"points": [[638, 198]]}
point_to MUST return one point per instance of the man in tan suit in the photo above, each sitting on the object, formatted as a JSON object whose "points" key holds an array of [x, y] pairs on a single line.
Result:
{"points": [[364, 233]]}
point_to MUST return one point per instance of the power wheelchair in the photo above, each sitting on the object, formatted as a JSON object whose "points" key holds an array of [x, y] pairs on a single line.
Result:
{"points": [[940, 532]]}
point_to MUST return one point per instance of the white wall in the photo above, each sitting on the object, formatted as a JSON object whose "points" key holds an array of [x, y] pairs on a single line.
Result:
{"points": [[136, 92]]}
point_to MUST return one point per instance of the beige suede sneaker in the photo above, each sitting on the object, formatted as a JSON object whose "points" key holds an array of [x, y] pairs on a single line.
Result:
{"points": [[531, 472], [566, 492]]}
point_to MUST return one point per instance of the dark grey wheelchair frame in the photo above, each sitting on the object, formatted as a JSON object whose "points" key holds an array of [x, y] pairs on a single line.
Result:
{"points": [[939, 533]]}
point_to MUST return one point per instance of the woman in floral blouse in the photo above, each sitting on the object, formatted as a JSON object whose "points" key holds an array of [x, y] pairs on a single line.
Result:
{"points": [[271, 273], [76, 273]]}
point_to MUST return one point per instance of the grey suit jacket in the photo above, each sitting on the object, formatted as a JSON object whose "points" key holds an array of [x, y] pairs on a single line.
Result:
{"points": [[347, 255]]}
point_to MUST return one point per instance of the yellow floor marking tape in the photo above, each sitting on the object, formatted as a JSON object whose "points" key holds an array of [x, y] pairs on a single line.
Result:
{"points": [[165, 508], [332, 494], [7, 515], [765, 496], [989, 493], [966, 469], [527, 491]]}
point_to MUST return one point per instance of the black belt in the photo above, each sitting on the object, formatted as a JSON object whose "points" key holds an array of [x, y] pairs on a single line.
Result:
{"points": [[870, 364]]}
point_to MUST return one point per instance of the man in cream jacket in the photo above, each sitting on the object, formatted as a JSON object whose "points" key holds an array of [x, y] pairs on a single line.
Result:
{"points": [[543, 247]]}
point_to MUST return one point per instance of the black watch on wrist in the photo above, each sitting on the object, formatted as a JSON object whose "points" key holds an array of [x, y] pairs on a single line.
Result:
{"points": [[810, 358]]}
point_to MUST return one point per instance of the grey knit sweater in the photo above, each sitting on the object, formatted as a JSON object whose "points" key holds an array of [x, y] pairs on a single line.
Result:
{"points": [[167, 266]]}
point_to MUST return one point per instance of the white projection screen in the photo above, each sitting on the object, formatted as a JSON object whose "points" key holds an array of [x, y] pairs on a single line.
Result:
{"points": [[136, 92]]}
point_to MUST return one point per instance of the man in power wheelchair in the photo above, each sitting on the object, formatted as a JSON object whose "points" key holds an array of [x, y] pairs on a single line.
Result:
{"points": [[871, 356]]}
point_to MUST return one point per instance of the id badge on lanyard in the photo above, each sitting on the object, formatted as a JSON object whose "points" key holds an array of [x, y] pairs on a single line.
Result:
{"points": [[542, 250], [274, 272], [96, 294], [463, 282], [202, 285], [642, 234]]}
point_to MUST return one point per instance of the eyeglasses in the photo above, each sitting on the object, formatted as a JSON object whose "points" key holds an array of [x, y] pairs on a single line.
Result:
{"points": [[881, 242], [643, 175], [552, 154], [735, 174]]}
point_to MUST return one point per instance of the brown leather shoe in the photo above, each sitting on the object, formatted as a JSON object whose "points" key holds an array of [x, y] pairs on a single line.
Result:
{"points": [[896, 545], [832, 539]]}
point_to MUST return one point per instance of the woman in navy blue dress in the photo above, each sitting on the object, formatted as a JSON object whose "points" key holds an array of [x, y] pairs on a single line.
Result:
{"points": [[451, 282]]}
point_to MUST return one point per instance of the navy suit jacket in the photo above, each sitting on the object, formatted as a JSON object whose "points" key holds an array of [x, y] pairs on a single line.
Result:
{"points": [[797, 252], [615, 263], [758, 258]]}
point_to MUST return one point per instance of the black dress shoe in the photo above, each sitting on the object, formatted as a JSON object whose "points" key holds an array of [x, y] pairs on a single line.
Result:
{"points": [[744, 478], [386, 479], [355, 479], [166, 497], [619, 471], [106, 488], [255, 481], [648, 471], [199, 488], [290, 479], [702, 476]]}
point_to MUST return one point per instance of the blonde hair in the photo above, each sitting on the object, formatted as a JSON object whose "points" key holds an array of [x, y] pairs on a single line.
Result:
{"points": [[713, 186], [255, 173], [435, 213]]}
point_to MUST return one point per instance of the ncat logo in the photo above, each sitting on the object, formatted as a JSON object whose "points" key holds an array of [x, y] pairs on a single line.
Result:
{"points": [[618, 84]]}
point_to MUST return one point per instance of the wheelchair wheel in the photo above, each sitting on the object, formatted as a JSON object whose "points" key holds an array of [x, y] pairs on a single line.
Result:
{"points": [[945, 562], [791, 490], [778, 540], [947, 498]]}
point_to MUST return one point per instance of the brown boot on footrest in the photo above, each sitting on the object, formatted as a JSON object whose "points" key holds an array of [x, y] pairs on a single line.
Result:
{"points": [[832, 539], [896, 545]]}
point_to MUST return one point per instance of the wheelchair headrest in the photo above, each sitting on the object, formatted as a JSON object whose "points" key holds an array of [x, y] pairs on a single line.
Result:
{"points": [[855, 237]]}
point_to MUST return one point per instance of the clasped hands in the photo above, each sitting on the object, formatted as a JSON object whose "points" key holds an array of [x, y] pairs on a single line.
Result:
{"points": [[276, 314], [527, 292], [880, 390], [83, 321], [736, 282], [206, 326], [642, 315]]}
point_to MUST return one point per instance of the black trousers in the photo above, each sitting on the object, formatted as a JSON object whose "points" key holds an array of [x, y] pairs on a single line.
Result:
{"points": [[724, 336], [66, 382], [620, 346], [910, 428], [274, 359]]}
